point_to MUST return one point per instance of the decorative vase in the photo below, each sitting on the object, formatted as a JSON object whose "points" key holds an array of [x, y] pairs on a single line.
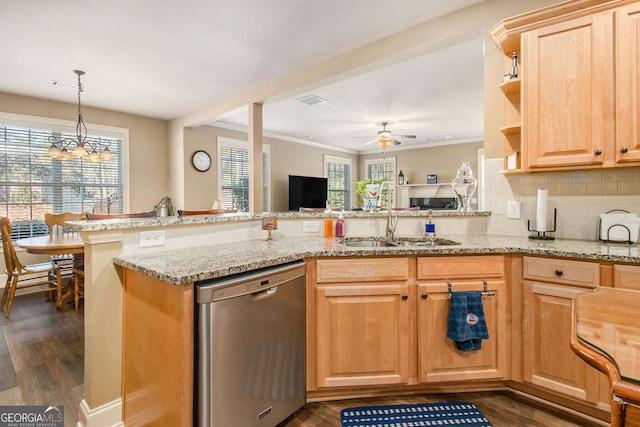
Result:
{"points": [[371, 197], [464, 185]]}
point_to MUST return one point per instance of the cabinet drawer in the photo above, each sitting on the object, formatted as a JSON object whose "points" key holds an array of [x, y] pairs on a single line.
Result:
{"points": [[369, 269], [461, 267], [575, 273], [626, 276]]}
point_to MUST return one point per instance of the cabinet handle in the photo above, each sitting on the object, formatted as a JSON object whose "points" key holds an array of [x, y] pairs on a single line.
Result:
{"points": [[425, 296], [405, 297], [559, 273], [597, 152], [623, 150]]}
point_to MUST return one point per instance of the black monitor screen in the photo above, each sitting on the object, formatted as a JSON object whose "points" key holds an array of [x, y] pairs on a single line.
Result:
{"points": [[307, 192]]}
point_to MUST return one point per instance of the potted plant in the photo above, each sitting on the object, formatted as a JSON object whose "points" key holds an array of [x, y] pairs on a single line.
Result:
{"points": [[368, 191]]}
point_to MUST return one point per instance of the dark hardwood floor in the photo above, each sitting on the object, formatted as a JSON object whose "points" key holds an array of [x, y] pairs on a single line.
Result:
{"points": [[41, 363], [42, 355], [501, 408]]}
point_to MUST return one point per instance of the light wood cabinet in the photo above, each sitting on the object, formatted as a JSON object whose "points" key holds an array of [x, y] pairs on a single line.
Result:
{"points": [[564, 92], [363, 313], [626, 276], [438, 358], [627, 140], [549, 287], [576, 106]]}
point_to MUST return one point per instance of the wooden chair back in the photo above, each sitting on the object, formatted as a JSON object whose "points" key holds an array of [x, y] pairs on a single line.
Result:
{"points": [[203, 212], [98, 216], [11, 260], [56, 222]]}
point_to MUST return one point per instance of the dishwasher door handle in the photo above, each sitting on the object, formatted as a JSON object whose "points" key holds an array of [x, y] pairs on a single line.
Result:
{"points": [[264, 293]]}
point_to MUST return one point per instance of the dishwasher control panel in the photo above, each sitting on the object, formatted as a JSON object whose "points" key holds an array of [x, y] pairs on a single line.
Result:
{"points": [[247, 283]]}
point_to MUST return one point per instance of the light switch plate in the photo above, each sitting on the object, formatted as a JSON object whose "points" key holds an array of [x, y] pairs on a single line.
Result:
{"points": [[151, 238], [513, 210], [310, 226]]}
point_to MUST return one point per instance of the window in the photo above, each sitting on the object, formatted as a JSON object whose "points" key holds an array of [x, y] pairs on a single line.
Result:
{"points": [[338, 173], [381, 169], [31, 184], [233, 175]]}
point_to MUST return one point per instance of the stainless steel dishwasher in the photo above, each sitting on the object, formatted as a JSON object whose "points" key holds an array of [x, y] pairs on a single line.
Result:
{"points": [[250, 331]]}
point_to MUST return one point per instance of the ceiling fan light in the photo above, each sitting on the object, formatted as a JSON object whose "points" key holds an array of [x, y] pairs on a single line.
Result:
{"points": [[384, 142]]}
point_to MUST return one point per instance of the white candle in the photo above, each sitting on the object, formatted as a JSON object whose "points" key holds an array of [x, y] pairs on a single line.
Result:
{"points": [[541, 212]]}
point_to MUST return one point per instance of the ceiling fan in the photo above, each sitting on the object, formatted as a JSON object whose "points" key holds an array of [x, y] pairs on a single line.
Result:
{"points": [[385, 138]]}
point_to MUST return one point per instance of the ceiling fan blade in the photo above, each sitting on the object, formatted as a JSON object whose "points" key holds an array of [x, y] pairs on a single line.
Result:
{"points": [[368, 136], [396, 142], [370, 142], [406, 136]]}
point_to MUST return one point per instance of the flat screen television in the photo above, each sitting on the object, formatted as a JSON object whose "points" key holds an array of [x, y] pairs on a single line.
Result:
{"points": [[307, 192]]}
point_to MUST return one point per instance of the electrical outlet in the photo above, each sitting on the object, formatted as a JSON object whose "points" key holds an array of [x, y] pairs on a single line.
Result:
{"points": [[151, 238], [310, 226], [513, 210]]}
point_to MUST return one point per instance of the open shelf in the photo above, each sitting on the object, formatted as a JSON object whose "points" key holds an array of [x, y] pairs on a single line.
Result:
{"points": [[510, 87], [510, 129]]}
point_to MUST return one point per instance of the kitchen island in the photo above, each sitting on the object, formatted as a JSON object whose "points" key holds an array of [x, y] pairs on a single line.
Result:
{"points": [[205, 248]]}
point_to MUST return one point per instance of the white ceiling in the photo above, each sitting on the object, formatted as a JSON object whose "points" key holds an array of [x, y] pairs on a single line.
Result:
{"points": [[157, 59]]}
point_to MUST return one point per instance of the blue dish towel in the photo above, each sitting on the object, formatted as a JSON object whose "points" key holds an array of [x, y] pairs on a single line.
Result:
{"points": [[467, 325]]}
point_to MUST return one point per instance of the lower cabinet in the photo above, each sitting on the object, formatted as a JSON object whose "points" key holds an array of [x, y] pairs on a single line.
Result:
{"points": [[549, 287], [371, 327], [439, 359], [362, 317], [362, 335]]}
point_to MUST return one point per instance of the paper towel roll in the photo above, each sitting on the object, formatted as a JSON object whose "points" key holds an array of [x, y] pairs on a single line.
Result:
{"points": [[541, 212]]}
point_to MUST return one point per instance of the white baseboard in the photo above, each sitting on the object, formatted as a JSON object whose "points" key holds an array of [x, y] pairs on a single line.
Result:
{"points": [[107, 415]]}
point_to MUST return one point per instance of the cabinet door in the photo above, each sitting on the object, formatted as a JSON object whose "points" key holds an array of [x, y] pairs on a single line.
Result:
{"points": [[628, 84], [548, 360], [564, 105], [439, 360], [362, 335]]}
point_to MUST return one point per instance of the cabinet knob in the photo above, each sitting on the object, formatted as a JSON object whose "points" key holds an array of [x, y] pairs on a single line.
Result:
{"points": [[597, 152], [559, 273], [623, 150], [405, 297], [424, 296]]}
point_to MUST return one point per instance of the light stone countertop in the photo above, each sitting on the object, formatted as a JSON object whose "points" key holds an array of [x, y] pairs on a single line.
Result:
{"points": [[133, 223], [194, 264]]}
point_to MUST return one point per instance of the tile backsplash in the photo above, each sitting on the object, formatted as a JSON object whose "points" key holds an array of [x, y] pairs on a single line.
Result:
{"points": [[580, 197]]}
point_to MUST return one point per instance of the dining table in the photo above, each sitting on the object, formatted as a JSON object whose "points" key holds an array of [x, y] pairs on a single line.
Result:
{"points": [[57, 244]]}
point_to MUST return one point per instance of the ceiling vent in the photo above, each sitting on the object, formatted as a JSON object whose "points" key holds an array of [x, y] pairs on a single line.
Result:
{"points": [[311, 100]]}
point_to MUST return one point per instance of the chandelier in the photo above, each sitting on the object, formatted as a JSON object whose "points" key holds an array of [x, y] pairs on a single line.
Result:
{"points": [[80, 146]]}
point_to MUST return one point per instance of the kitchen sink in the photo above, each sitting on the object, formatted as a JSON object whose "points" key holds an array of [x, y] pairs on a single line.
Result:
{"points": [[376, 242], [368, 243]]}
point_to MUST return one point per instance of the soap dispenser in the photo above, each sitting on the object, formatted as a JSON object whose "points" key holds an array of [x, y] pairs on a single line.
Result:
{"points": [[430, 231], [340, 226]]}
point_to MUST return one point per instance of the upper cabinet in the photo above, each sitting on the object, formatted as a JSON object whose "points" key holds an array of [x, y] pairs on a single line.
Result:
{"points": [[576, 104], [627, 84]]}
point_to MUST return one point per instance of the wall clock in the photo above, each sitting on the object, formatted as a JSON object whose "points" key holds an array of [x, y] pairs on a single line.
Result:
{"points": [[201, 160]]}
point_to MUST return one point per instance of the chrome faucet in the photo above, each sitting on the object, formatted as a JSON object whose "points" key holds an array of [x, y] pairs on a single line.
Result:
{"points": [[391, 222]]}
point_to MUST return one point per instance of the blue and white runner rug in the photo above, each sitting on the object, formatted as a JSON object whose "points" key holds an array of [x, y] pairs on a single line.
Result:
{"points": [[418, 415]]}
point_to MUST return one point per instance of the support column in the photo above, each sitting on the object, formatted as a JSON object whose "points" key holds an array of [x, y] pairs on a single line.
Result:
{"points": [[256, 196], [102, 402]]}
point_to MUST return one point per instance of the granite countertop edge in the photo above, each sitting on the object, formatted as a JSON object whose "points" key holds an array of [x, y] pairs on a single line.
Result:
{"points": [[187, 265]]}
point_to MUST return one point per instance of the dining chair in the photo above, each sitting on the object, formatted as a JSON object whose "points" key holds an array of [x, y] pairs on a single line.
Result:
{"points": [[201, 212], [19, 276], [66, 262], [99, 216], [57, 227]]}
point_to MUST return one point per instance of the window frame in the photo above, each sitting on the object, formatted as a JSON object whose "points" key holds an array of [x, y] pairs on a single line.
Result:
{"points": [[383, 160], [223, 141], [348, 180], [67, 126]]}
